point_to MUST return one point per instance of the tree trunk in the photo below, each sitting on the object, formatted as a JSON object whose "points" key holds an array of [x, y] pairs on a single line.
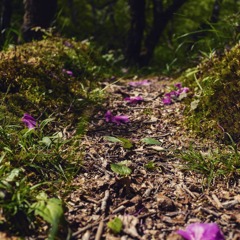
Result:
{"points": [[160, 20], [38, 13], [6, 13], [137, 8], [216, 11]]}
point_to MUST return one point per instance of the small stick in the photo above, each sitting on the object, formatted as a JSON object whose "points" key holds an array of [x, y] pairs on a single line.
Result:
{"points": [[103, 170], [86, 235], [210, 212], [119, 209], [99, 231], [88, 227], [218, 203], [146, 215], [104, 201], [188, 191], [230, 204]]}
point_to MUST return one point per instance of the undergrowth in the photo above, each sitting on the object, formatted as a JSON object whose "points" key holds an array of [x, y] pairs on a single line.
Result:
{"points": [[55, 80], [217, 164]]}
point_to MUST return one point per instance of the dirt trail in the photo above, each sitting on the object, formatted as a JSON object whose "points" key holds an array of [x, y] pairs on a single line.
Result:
{"points": [[152, 203]]}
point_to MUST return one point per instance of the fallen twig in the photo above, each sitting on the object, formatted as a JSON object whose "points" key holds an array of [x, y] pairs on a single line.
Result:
{"points": [[99, 231]]}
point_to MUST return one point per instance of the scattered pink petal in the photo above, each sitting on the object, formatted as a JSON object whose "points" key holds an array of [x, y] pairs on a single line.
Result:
{"points": [[108, 116], [140, 83], [134, 100], [70, 73], [167, 100], [202, 231], [118, 119], [175, 94], [178, 85], [184, 90], [29, 121], [172, 94]]}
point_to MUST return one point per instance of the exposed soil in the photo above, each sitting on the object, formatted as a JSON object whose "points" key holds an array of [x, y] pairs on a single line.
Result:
{"points": [[152, 203]]}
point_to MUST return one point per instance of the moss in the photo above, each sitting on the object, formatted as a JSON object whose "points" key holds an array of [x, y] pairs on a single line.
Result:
{"points": [[216, 81], [34, 77]]}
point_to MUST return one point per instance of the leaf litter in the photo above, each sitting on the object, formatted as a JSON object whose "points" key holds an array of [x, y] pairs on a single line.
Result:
{"points": [[151, 203]]}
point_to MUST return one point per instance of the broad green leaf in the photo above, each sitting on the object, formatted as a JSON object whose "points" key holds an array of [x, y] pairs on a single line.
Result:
{"points": [[115, 225], [127, 144], [120, 169], [50, 210], [112, 139], [151, 141]]}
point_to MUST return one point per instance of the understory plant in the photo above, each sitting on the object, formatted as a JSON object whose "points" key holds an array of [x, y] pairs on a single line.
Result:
{"points": [[35, 164]]}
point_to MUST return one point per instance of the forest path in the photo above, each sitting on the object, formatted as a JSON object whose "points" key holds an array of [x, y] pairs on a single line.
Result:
{"points": [[158, 197]]}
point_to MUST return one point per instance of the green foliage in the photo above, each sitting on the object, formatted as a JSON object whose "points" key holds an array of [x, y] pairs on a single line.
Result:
{"points": [[151, 165], [126, 143], [115, 225], [218, 164], [33, 160], [120, 169], [151, 141], [50, 210], [215, 107]]}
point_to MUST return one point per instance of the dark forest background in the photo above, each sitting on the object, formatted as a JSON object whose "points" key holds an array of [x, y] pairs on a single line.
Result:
{"points": [[162, 34]]}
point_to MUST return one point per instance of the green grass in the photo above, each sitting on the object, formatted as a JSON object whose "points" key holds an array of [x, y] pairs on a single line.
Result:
{"points": [[33, 161], [213, 165]]}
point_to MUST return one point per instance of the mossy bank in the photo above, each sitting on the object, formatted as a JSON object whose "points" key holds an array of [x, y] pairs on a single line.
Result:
{"points": [[214, 108], [54, 76]]}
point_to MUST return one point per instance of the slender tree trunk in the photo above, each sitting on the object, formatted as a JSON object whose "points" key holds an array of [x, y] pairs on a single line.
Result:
{"points": [[205, 26], [216, 11], [73, 11], [160, 20], [137, 8], [38, 13], [6, 13]]}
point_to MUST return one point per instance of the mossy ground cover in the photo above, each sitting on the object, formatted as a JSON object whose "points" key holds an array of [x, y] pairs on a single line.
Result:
{"points": [[214, 109], [55, 80]]}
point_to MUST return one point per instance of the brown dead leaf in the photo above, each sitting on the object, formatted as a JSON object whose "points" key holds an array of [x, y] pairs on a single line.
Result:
{"points": [[130, 225], [165, 203]]}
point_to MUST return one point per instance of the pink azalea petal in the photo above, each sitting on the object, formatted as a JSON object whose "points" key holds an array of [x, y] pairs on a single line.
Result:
{"points": [[167, 100], [108, 116], [70, 73], [184, 90], [178, 85], [29, 121], [202, 231], [140, 83], [134, 99], [120, 119], [116, 119]]}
